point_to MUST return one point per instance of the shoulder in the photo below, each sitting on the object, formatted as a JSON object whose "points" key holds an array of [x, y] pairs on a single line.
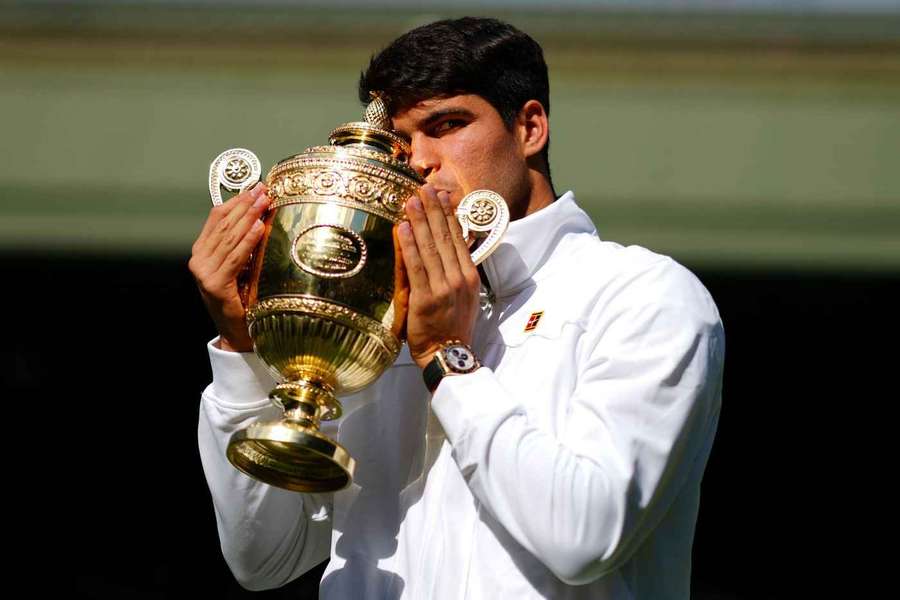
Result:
{"points": [[608, 279]]}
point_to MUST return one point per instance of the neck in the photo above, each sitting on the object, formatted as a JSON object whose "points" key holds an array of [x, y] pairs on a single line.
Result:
{"points": [[540, 194]]}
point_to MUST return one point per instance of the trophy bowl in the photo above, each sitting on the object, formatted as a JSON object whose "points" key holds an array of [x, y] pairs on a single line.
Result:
{"points": [[326, 292]]}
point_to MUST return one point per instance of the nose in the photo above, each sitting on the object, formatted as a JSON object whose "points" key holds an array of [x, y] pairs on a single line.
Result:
{"points": [[424, 157]]}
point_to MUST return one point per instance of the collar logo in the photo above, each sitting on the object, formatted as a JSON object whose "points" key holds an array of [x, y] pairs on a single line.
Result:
{"points": [[533, 321]]}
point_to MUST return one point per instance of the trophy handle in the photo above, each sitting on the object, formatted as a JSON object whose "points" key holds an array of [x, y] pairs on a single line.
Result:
{"points": [[235, 170], [484, 214]]}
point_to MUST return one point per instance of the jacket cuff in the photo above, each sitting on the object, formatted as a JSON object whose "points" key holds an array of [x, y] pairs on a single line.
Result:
{"points": [[240, 379], [471, 408]]}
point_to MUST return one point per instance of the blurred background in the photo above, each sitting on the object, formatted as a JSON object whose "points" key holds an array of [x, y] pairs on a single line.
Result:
{"points": [[756, 142]]}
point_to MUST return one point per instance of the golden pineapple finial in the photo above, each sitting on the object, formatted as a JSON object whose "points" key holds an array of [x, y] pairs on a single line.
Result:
{"points": [[377, 113]]}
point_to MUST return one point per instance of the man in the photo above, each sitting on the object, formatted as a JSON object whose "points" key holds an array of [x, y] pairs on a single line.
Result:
{"points": [[569, 464]]}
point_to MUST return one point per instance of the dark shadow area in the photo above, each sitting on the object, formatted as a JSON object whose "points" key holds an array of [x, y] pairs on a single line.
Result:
{"points": [[117, 345]]}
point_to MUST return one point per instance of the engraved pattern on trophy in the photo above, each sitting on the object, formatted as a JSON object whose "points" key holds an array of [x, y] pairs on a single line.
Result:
{"points": [[333, 311], [283, 273], [329, 250], [357, 184], [235, 170], [327, 296], [482, 212]]}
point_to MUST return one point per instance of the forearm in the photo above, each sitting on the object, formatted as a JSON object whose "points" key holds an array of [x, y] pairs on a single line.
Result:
{"points": [[564, 509], [581, 497], [268, 535]]}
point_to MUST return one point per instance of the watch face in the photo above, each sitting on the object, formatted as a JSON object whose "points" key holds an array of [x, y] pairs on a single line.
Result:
{"points": [[459, 358]]}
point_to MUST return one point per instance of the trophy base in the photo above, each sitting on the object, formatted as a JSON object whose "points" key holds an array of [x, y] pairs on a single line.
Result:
{"points": [[290, 456]]}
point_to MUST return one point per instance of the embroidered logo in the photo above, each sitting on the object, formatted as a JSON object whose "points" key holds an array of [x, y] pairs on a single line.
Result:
{"points": [[533, 320]]}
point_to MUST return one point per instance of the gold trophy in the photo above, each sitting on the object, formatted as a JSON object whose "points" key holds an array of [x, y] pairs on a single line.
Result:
{"points": [[326, 292]]}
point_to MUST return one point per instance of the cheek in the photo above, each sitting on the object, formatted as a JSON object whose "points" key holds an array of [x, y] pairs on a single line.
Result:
{"points": [[506, 172], [477, 158], [487, 162]]}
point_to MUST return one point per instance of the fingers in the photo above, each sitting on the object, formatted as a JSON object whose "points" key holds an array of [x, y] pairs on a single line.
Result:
{"points": [[223, 217], [228, 237], [443, 297], [233, 251], [226, 242], [220, 211], [428, 252], [436, 207], [459, 270], [464, 258], [239, 256], [438, 256], [415, 269]]}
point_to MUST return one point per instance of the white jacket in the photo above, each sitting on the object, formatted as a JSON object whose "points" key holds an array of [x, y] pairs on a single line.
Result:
{"points": [[568, 467]]}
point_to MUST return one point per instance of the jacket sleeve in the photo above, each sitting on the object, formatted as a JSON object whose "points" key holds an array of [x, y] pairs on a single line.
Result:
{"points": [[642, 414], [269, 536]]}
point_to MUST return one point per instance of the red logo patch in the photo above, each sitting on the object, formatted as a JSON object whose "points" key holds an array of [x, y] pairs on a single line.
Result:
{"points": [[533, 321]]}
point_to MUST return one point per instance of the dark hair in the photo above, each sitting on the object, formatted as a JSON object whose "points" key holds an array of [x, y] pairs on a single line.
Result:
{"points": [[462, 56]]}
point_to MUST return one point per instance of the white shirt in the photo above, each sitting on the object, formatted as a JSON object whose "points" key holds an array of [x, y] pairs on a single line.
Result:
{"points": [[568, 467]]}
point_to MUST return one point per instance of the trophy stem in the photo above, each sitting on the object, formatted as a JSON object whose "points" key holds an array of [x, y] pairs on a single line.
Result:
{"points": [[292, 453], [306, 402]]}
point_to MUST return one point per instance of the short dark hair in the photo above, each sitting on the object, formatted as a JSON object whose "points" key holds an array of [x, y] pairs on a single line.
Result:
{"points": [[481, 56]]}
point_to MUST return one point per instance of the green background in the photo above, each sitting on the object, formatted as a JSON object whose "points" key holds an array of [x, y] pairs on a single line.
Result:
{"points": [[729, 141]]}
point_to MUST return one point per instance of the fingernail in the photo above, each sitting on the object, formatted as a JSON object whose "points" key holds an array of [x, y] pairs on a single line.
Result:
{"points": [[415, 203], [404, 229], [261, 201], [444, 198], [257, 226], [255, 190]]}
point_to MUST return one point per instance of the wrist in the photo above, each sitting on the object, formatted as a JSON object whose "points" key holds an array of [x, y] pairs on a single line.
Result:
{"points": [[423, 359], [232, 346], [451, 359]]}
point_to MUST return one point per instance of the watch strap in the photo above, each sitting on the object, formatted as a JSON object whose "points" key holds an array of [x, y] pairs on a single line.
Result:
{"points": [[433, 373]]}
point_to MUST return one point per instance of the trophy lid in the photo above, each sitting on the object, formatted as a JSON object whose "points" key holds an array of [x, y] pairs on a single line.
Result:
{"points": [[366, 163], [374, 133]]}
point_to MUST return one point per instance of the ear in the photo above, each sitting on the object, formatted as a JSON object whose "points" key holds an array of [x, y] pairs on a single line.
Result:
{"points": [[534, 128]]}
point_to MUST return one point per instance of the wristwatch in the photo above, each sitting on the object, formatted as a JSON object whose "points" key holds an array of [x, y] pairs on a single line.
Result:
{"points": [[453, 358]]}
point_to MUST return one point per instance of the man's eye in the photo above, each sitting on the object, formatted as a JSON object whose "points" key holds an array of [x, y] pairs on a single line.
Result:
{"points": [[447, 125]]}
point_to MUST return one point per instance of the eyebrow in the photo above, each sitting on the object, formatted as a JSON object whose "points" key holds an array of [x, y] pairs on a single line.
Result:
{"points": [[443, 112], [439, 114]]}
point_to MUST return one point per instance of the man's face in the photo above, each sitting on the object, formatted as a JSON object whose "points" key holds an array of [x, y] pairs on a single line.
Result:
{"points": [[460, 144]]}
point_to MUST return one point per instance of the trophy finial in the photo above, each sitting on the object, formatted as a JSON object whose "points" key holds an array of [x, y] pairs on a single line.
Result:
{"points": [[375, 133], [377, 113]]}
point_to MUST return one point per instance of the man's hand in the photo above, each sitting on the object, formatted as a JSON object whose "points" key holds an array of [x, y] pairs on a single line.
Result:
{"points": [[444, 283], [229, 236]]}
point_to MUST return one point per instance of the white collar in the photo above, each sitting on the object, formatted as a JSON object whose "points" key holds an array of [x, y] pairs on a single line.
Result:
{"points": [[529, 242]]}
